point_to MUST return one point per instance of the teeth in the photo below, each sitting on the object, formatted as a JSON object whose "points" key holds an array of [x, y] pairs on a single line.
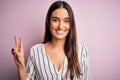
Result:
{"points": [[60, 31]]}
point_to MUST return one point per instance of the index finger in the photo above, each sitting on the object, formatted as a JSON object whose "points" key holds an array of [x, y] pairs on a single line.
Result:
{"points": [[16, 41]]}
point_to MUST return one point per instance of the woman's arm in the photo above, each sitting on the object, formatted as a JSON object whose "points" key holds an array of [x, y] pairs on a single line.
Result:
{"points": [[18, 54], [84, 61]]}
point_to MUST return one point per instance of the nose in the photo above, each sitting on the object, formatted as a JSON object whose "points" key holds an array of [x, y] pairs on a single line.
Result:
{"points": [[61, 24]]}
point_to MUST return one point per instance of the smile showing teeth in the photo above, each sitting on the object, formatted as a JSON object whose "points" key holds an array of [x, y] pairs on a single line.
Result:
{"points": [[60, 31]]}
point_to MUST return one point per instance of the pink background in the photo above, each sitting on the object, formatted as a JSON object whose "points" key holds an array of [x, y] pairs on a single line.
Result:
{"points": [[98, 26]]}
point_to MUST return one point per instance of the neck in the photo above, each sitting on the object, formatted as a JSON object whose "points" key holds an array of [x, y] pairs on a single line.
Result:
{"points": [[58, 44]]}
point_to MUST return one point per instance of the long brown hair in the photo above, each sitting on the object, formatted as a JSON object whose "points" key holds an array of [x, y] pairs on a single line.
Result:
{"points": [[70, 47]]}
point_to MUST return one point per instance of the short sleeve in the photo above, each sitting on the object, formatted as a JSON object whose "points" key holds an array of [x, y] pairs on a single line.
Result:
{"points": [[84, 61]]}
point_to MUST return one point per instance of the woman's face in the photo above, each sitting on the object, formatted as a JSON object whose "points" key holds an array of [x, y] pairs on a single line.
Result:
{"points": [[59, 23]]}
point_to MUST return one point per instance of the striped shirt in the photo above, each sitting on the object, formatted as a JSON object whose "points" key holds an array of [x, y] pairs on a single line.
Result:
{"points": [[39, 66]]}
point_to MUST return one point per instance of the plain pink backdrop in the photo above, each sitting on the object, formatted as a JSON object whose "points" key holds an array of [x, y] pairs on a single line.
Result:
{"points": [[98, 27]]}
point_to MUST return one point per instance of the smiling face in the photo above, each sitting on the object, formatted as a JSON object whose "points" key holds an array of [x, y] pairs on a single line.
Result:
{"points": [[59, 23]]}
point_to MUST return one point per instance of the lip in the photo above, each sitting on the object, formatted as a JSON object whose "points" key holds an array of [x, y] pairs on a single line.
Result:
{"points": [[60, 31]]}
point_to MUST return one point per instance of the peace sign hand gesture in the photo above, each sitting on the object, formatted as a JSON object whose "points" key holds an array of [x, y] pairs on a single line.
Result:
{"points": [[18, 53]]}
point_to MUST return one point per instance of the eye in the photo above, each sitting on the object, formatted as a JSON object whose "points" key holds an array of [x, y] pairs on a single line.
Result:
{"points": [[55, 20], [67, 20]]}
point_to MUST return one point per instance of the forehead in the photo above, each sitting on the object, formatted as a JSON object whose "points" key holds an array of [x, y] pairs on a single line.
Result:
{"points": [[60, 12]]}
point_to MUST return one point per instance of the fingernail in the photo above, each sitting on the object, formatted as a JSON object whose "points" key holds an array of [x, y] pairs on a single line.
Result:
{"points": [[12, 50]]}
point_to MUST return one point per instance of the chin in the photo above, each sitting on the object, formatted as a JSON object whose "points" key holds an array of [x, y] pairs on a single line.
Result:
{"points": [[59, 37]]}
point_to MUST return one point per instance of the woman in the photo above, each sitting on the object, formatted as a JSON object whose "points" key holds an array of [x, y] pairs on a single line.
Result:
{"points": [[59, 57]]}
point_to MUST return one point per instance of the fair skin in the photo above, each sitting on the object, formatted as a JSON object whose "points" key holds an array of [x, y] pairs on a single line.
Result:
{"points": [[59, 27], [18, 54]]}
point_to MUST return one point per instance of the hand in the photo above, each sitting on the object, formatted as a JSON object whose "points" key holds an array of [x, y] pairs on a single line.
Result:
{"points": [[18, 53]]}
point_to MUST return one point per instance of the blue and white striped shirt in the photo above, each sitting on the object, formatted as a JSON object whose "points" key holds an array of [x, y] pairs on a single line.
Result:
{"points": [[39, 66]]}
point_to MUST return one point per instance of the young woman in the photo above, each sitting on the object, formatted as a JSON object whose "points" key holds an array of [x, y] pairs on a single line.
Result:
{"points": [[59, 57]]}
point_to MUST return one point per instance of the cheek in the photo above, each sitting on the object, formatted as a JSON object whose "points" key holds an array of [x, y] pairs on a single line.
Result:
{"points": [[68, 27], [51, 29], [53, 24]]}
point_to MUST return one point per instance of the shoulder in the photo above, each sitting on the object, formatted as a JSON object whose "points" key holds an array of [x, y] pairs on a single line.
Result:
{"points": [[82, 50], [36, 46], [81, 46]]}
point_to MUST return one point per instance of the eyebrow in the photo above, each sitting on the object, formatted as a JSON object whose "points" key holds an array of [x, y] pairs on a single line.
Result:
{"points": [[67, 18], [55, 17]]}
